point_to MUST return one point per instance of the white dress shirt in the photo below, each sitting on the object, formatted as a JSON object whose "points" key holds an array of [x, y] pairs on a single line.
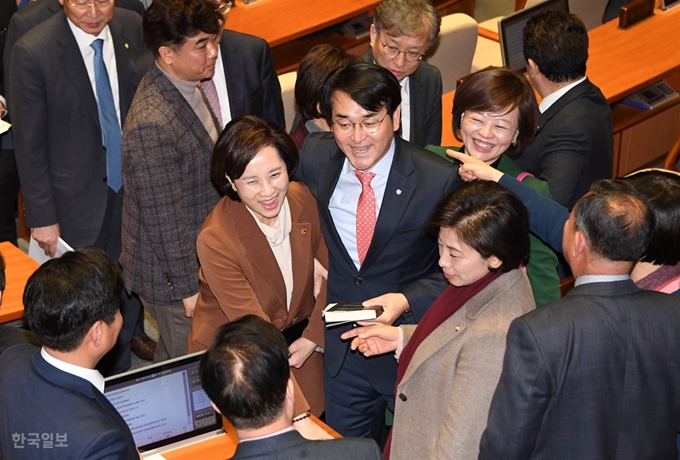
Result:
{"points": [[84, 41], [550, 99], [91, 375], [345, 198], [220, 80], [405, 109]]}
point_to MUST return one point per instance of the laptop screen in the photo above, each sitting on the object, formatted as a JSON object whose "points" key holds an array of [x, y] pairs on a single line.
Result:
{"points": [[511, 32], [163, 403]]}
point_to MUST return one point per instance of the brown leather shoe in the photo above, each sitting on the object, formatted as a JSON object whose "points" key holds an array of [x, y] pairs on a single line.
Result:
{"points": [[143, 346]]}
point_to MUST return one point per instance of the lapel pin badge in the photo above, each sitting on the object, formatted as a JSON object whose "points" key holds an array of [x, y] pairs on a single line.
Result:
{"points": [[304, 231], [398, 191], [126, 46], [457, 327]]}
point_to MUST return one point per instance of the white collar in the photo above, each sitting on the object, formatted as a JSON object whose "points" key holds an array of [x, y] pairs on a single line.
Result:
{"points": [[551, 98], [270, 435], [84, 39], [587, 279], [91, 375]]}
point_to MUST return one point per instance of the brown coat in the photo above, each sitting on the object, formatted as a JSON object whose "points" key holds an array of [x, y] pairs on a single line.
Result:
{"points": [[239, 276]]}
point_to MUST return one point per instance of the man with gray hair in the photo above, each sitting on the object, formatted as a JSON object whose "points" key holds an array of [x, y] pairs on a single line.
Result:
{"points": [[401, 33]]}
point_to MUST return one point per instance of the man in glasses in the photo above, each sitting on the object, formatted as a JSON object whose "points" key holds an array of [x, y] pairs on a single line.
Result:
{"points": [[375, 192], [401, 33], [70, 94], [245, 80]]}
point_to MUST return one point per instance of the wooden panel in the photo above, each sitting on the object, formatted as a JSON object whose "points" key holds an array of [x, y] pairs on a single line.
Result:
{"points": [[622, 62], [617, 154], [648, 141], [19, 267]]}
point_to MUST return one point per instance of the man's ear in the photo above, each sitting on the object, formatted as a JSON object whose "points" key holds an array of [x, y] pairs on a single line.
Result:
{"points": [[580, 244], [396, 118], [215, 407], [94, 335], [532, 68], [373, 33], [166, 54], [290, 391]]}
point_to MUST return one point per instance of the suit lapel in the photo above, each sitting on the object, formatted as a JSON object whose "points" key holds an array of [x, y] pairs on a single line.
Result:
{"points": [[257, 250], [562, 102], [74, 67], [180, 105], [398, 192], [301, 253], [233, 62], [121, 48], [329, 172]]}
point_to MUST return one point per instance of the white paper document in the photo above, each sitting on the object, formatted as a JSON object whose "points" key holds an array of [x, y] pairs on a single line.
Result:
{"points": [[37, 253]]}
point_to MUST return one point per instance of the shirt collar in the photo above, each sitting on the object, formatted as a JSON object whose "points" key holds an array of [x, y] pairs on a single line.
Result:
{"points": [[83, 39], [587, 279], [270, 435], [550, 99], [91, 375], [381, 168]]}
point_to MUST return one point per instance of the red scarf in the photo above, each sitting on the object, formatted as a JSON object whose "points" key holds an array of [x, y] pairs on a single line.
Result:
{"points": [[449, 302]]}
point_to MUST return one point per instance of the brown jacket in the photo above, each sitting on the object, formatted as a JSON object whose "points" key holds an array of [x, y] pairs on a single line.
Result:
{"points": [[239, 276]]}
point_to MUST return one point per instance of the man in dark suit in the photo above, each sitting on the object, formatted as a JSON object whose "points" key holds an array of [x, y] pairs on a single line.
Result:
{"points": [[361, 105], [70, 179], [52, 404], [246, 375], [574, 145], [167, 144], [593, 375], [245, 80], [399, 40]]}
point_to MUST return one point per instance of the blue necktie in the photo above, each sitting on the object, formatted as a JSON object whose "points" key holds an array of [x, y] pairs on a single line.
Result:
{"points": [[111, 133]]}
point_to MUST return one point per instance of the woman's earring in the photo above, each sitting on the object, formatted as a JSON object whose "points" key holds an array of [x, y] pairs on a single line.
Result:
{"points": [[514, 142]]}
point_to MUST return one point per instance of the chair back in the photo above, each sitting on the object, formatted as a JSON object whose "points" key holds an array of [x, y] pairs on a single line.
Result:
{"points": [[453, 51], [287, 81]]}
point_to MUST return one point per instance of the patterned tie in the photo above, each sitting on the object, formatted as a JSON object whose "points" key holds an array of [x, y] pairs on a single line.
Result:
{"points": [[210, 92], [111, 133], [365, 214]]}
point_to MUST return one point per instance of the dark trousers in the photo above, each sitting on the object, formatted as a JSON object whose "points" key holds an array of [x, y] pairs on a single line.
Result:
{"points": [[119, 358], [353, 407], [9, 189]]}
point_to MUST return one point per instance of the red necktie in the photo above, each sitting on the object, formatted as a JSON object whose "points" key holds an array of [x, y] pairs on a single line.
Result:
{"points": [[210, 92], [365, 214]]}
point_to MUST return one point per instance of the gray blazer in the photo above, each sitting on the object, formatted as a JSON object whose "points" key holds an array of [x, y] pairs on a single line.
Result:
{"points": [[443, 399], [426, 103], [168, 194]]}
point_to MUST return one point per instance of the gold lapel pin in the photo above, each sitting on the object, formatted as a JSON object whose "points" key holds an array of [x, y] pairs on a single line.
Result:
{"points": [[126, 46], [398, 191], [457, 327], [304, 231]]}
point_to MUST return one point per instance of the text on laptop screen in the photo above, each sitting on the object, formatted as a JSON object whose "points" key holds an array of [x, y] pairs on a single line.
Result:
{"points": [[164, 403]]}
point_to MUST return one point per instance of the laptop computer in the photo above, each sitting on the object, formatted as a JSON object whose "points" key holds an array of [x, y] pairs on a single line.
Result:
{"points": [[164, 405], [511, 32]]}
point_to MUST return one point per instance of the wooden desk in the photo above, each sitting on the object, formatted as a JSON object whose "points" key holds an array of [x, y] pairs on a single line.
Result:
{"points": [[19, 268], [222, 447], [293, 27]]}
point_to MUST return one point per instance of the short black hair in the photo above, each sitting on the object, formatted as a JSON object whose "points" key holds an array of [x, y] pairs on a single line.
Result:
{"points": [[242, 139], [616, 221], [171, 22], [661, 189], [490, 219], [494, 89], [67, 295], [245, 372], [557, 42], [312, 72], [369, 85]]}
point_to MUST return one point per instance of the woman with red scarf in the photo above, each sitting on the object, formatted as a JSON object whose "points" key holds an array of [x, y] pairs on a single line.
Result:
{"points": [[449, 364]]}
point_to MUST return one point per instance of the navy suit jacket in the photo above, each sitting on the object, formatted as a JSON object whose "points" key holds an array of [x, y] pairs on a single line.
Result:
{"points": [[57, 134], [36, 397], [426, 103], [594, 375], [574, 145], [402, 257], [292, 446], [252, 83]]}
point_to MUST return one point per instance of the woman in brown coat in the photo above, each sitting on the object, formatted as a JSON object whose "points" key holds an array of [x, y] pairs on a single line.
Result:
{"points": [[258, 247]]}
